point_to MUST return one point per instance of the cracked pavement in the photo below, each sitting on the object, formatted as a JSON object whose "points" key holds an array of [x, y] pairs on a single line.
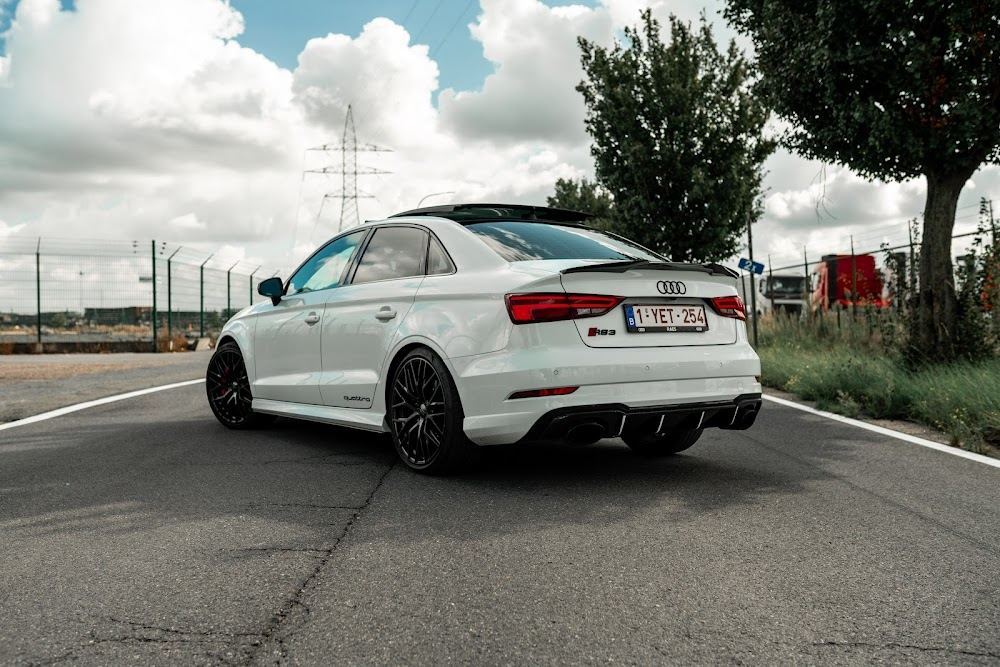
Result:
{"points": [[143, 533]]}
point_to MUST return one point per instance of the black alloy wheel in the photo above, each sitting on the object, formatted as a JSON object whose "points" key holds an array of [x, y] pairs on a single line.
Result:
{"points": [[427, 415], [228, 389]]}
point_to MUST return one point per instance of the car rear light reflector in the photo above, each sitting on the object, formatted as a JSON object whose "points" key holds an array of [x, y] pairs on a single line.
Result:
{"points": [[730, 306], [535, 393], [527, 308]]}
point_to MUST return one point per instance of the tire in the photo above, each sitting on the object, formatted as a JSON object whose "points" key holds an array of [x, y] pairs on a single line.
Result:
{"points": [[662, 444], [228, 389], [426, 416]]}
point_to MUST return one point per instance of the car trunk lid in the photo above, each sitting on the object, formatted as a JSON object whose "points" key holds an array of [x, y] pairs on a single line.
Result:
{"points": [[666, 304]]}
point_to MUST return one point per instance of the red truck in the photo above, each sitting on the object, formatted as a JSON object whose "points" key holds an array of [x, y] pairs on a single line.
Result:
{"points": [[832, 283]]}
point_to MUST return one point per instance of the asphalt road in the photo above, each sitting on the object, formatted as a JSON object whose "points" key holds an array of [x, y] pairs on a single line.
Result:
{"points": [[35, 383], [142, 532]]}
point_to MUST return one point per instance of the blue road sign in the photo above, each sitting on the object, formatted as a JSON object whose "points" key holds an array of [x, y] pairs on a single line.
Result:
{"points": [[747, 265]]}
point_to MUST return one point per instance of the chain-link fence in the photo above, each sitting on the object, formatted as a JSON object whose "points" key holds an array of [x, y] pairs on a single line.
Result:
{"points": [[870, 294], [895, 250], [116, 295]]}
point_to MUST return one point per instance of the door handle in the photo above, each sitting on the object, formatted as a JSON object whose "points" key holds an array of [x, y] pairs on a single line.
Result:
{"points": [[312, 318], [385, 314]]}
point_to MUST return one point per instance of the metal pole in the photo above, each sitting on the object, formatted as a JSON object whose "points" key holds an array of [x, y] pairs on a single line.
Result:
{"points": [[251, 283], [153, 259], [807, 293], [38, 290], [201, 303], [854, 283], [753, 290], [770, 282], [913, 268], [170, 302], [433, 194], [229, 292], [993, 224]]}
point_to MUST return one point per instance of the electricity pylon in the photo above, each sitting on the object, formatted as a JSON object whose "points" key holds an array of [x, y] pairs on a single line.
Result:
{"points": [[349, 169]]}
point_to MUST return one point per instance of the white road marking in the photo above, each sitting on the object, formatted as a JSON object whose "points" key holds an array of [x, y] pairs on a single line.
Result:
{"points": [[930, 444], [955, 451], [92, 404]]}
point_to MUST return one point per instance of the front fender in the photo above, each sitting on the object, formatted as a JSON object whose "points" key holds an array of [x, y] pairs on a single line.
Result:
{"points": [[241, 329]]}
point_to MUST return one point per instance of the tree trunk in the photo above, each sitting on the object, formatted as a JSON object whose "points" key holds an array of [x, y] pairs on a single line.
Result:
{"points": [[937, 305]]}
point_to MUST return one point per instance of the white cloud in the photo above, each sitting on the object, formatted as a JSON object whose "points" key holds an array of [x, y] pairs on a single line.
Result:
{"points": [[36, 13], [532, 95], [166, 127], [9, 230], [114, 132], [388, 80]]}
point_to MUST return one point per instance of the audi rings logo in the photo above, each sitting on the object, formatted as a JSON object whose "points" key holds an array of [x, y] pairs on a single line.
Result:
{"points": [[671, 287]]}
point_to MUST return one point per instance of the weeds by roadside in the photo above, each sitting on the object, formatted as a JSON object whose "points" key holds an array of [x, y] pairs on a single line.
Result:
{"points": [[859, 378], [858, 362]]}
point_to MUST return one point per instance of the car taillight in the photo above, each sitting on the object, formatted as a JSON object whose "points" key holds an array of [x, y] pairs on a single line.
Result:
{"points": [[535, 393], [527, 308], [730, 306]]}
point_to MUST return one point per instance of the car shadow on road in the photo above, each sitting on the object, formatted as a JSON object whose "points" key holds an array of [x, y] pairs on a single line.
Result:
{"points": [[295, 470]]}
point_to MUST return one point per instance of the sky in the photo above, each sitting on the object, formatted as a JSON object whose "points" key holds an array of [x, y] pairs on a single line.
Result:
{"points": [[189, 121]]}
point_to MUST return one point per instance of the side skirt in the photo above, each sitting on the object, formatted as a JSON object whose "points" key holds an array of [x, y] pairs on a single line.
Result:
{"points": [[366, 420]]}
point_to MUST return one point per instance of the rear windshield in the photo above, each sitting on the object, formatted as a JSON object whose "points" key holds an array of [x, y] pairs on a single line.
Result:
{"points": [[523, 241]]}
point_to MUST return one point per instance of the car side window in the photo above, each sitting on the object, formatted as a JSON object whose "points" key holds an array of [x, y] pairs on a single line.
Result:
{"points": [[437, 259], [393, 252], [325, 268]]}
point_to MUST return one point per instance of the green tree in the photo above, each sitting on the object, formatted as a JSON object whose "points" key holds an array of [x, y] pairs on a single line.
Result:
{"points": [[585, 196], [894, 90], [677, 138]]}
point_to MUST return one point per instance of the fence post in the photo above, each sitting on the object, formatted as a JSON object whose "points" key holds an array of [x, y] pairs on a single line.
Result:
{"points": [[229, 292], [913, 268], [201, 303], [753, 291], [170, 301], [770, 282], [38, 290], [807, 293], [854, 284], [993, 224], [152, 247], [251, 283]]}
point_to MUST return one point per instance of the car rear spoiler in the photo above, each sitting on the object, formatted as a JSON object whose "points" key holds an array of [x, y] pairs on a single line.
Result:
{"points": [[621, 267]]}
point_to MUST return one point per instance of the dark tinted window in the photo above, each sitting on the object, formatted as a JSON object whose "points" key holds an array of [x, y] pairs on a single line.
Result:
{"points": [[324, 269], [521, 241], [437, 259], [394, 252]]}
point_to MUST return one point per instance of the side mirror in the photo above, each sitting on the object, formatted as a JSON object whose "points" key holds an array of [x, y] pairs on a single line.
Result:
{"points": [[273, 288]]}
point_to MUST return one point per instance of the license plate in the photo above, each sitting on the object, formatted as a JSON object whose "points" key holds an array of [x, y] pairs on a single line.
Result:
{"points": [[665, 319]]}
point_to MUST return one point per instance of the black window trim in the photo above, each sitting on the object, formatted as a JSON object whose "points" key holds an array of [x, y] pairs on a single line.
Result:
{"points": [[427, 257], [356, 260], [350, 261]]}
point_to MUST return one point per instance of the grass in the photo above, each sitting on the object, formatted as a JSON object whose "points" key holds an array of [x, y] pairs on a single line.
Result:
{"points": [[855, 371]]}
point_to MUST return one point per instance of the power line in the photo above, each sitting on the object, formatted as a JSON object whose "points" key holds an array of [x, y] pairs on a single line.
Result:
{"points": [[451, 29]]}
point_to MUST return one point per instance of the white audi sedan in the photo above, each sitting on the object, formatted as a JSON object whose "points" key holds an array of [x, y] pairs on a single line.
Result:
{"points": [[457, 327]]}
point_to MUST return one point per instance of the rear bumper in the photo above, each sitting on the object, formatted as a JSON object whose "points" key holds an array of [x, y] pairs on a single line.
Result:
{"points": [[634, 379], [616, 419]]}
